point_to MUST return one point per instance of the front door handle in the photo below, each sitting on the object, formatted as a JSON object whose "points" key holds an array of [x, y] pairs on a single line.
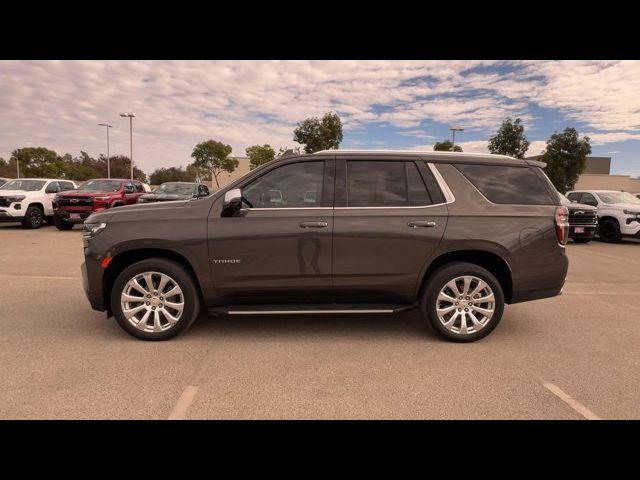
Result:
{"points": [[421, 224], [313, 224]]}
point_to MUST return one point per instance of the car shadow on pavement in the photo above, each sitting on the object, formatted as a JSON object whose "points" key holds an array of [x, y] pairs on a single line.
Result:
{"points": [[399, 325]]}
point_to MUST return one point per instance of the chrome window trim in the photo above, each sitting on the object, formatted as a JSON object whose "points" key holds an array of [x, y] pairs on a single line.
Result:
{"points": [[449, 197], [276, 209]]}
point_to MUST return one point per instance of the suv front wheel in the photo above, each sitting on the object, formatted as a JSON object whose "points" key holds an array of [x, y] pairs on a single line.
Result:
{"points": [[463, 302], [155, 299]]}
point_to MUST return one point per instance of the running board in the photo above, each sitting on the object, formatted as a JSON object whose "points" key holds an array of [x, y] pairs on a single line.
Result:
{"points": [[321, 309]]}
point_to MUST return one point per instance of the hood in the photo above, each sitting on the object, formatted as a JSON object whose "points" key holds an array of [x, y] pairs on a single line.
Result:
{"points": [[140, 212], [13, 193], [88, 193], [627, 206], [164, 197], [572, 206]]}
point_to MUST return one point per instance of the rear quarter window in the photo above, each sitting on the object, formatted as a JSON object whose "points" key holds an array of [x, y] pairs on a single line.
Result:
{"points": [[508, 184]]}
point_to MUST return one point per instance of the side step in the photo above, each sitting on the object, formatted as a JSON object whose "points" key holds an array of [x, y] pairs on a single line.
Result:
{"points": [[307, 309]]}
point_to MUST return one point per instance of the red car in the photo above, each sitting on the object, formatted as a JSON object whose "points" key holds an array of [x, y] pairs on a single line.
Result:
{"points": [[75, 206]]}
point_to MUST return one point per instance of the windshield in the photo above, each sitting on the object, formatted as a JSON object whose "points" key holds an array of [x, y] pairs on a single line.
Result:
{"points": [[618, 197], [176, 188], [101, 186], [24, 185]]}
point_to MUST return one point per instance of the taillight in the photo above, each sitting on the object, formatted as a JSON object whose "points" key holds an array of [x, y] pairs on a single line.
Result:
{"points": [[562, 224]]}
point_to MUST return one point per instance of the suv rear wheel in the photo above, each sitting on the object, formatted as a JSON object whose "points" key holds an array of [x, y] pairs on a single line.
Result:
{"points": [[155, 299], [463, 302], [33, 218]]}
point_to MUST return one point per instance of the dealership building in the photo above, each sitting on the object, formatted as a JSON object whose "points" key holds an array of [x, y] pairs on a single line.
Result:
{"points": [[597, 176]]}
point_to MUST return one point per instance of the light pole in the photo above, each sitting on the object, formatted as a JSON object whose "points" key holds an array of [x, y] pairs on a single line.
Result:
{"points": [[130, 115], [453, 142], [108, 163]]}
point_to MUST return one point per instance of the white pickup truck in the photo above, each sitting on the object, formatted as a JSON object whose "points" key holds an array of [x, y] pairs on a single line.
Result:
{"points": [[28, 200], [618, 212]]}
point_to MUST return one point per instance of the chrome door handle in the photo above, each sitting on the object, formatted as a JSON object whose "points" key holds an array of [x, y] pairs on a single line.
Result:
{"points": [[313, 224], [419, 224]]}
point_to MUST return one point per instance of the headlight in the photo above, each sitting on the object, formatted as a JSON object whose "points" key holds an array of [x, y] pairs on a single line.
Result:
{"points": [[90, 230], [141, 200], [632, 213], [17, 198], [101, 199]]}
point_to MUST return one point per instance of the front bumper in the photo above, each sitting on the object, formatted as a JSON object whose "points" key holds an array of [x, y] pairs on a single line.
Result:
{"points": [[92, 275], [66, 215], [5, 217], [631, 229], [588, 231]]}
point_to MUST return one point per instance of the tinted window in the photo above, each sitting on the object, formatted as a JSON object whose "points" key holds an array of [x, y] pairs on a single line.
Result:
{"points": [[504, 184], [101, 186], [418, 194], [139, 187], [376, 184], [66, 186], [574, 197], [52, 188], [297, 185], [203, 190], [587, 198]]}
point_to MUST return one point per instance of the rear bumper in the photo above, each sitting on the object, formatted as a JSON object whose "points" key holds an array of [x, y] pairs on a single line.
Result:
{"points": [[544, 279]]}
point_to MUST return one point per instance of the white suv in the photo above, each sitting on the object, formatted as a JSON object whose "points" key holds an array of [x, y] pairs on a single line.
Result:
{"points": [[618, 212], [28, 200]]}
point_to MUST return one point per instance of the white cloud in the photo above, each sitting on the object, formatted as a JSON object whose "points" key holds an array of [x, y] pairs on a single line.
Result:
{"points": [[179, 103]]}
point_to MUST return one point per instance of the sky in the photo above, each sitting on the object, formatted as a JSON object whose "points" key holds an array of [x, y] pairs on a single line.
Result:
{"points": [[383, 104]]}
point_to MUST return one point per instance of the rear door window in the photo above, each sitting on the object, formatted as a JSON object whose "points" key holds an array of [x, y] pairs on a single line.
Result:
{"points": [[508, 184]]}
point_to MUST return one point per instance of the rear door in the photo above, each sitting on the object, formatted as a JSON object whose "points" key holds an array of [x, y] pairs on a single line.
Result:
{"points": [[390, 216]]}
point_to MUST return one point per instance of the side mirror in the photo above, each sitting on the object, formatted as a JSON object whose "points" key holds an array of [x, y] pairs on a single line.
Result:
{"points": [[232, 202]]}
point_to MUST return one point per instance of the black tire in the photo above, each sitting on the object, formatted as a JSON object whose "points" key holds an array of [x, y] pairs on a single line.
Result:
{"points": [[439, 279], [609, 231], [582, 240], [33, 217], [180, 276], [62, 224]]}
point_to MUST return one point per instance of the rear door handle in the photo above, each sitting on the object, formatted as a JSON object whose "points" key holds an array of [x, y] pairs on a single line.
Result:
{"points": [[421, 224], [313, 224]]}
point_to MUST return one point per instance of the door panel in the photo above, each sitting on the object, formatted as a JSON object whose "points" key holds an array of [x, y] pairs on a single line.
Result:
{"points": [[276, 251], [379, 252]]}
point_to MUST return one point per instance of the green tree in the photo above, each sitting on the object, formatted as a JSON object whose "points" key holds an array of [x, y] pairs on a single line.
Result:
{"points": [[445, 146], [259, 154], [215, 157], [171, 174], [197, 173], [319, 134], [283, 150], [120, 168], [566, 158], [38, 162], [510, 139], [5, 168]]}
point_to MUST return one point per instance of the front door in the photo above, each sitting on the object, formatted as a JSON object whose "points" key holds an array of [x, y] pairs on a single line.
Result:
{"points": [[389, 218], [278, 248]]}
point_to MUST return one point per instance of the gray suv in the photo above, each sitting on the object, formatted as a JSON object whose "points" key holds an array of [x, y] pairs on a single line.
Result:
{"points": [[337, 232]]}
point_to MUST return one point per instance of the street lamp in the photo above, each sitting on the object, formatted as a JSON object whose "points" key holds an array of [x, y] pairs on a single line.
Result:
{"points": [[130, 115], [108, 163], [453, 142]]}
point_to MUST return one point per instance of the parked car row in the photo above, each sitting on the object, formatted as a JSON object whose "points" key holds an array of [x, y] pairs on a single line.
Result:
{"points": [[34, 201]]}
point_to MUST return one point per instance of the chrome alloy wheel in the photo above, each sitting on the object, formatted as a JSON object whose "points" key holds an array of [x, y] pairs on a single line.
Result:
{"points": [[152, 302], [465, 305]]}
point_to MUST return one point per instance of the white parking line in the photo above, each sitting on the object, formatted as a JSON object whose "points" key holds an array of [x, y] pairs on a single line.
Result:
{"points": [[40, 277], [179, 412], [566, 398]]}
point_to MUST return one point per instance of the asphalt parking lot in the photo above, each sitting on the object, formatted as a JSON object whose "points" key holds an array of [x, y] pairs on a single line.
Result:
{"points": [[571, 357]]}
